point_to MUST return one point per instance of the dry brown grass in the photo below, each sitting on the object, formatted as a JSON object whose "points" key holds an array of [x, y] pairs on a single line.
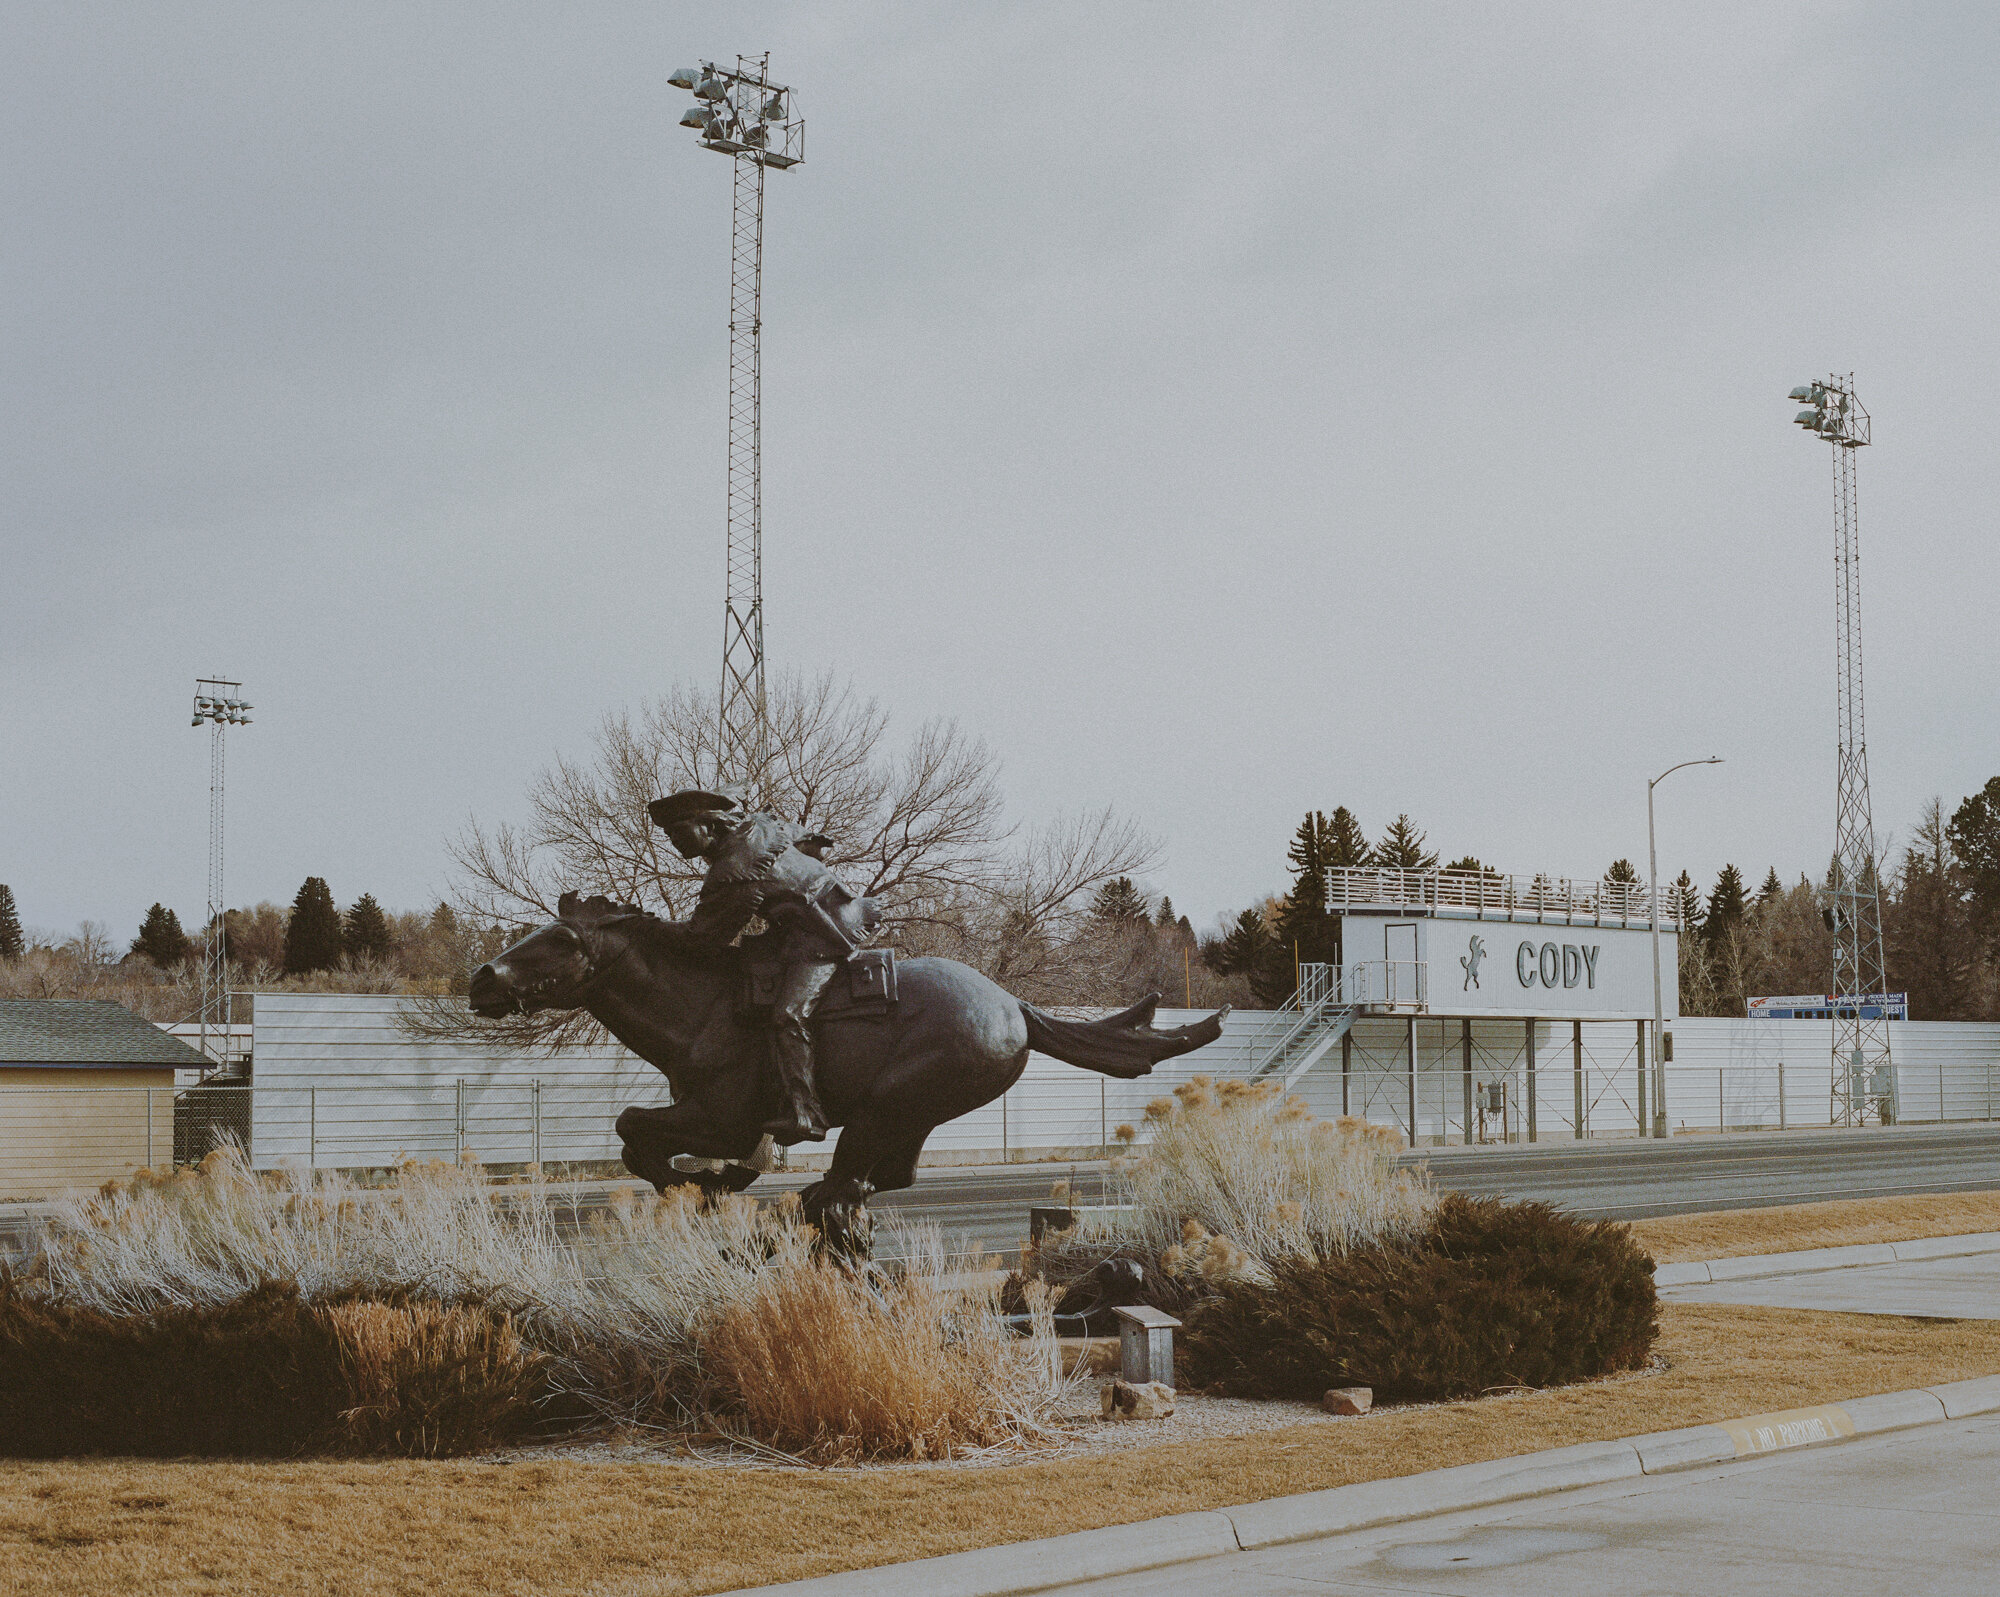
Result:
{"points": [[837, 1367], [572, 1529], [432, 1380], [614, 1320], [1733, 1233]]}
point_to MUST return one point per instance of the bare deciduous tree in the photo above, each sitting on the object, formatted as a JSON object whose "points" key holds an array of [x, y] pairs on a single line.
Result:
{"points": [[922, 828]]}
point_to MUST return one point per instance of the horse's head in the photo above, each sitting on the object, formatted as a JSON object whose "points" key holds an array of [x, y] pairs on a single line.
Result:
{"points": [[552, 966]]}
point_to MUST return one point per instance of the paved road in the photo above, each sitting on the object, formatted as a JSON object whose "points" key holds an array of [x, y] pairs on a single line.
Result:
{"points": [[1931, 1289], [1915, 1511], [1600, 1180], [1627, 1180]]}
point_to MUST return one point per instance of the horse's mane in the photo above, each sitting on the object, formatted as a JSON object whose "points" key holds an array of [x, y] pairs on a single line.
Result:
{"points": [[598, 913]]}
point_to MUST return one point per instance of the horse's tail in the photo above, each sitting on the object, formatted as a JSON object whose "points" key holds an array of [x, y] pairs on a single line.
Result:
{"points": [[1125, 1045]]}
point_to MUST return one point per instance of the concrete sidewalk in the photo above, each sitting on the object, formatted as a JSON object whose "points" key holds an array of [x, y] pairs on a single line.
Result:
{"points": [[1667, 1512], [1950, 1278], [1916, 1511], [1239, 1546]]}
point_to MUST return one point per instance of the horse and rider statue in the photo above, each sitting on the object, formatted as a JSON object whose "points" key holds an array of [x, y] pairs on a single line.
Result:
{"points": [[798, 1028]]}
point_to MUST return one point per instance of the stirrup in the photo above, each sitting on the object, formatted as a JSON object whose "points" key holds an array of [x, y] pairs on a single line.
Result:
{"points": [[789, 1129]]}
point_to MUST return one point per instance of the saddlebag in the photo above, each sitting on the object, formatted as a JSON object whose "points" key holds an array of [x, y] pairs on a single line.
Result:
{"points": [[863, 987]]}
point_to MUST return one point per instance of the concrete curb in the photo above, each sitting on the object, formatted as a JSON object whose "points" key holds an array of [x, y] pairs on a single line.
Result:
{"points": [[1018, 1568], [1700, 1272]]}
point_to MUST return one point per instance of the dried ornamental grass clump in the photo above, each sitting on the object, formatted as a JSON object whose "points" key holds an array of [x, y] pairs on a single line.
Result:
{"points": [[443, 1314], [1258, 1178], [432, 1380], [837, 1365]]}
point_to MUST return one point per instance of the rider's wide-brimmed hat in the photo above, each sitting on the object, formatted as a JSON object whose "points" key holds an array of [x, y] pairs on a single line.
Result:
{"points": [[690, 802]]}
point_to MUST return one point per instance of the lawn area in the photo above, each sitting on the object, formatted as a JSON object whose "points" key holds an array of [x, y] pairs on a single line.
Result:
{"points": [[572, 1529], [1733, 1233]]}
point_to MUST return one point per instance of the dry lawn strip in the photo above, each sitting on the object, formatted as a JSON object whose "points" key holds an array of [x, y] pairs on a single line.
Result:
{"points": [[572, 1529], [1734, 1233]]}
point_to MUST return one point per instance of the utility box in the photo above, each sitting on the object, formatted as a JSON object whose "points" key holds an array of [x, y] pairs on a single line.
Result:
{"points": [[1145, 1344]]}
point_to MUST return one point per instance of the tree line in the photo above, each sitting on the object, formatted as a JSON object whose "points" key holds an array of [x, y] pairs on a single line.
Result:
{"points": [[1940, 901], [315, 935], [1054, 912], [313, 947]]}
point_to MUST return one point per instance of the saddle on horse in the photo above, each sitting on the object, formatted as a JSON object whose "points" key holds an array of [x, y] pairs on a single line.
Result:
{"points": [[863, 985]]}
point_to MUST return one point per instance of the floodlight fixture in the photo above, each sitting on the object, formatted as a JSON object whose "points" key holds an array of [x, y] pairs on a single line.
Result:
{"points": [[1836, 415], [736, 105]]}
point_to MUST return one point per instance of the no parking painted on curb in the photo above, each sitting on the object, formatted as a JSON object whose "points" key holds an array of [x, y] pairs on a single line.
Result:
{"points": [[1789, 1427]]}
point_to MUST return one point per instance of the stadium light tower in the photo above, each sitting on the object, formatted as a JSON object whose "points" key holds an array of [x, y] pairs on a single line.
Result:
{"points": [[1860, 1044], [216, 705], [742, 114]]}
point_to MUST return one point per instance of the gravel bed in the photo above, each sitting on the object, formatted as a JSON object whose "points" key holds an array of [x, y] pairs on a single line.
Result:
{"points": [[1081, 1433]]}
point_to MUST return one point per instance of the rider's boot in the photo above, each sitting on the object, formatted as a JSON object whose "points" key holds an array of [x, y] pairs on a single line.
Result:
{"points": [[801, 1119]]}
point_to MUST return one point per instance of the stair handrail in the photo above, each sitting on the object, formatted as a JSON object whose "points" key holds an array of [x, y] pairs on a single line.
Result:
{"points": [[1314, 1015]]}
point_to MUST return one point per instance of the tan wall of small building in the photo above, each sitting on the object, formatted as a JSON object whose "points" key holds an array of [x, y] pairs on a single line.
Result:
{"points": [[61, 1129]]}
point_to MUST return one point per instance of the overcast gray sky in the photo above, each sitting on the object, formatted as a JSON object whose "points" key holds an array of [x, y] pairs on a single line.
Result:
{"points": [[1225, 411]]}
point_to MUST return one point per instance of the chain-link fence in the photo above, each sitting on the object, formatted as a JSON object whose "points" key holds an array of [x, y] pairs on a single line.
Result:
{"points": [[1439, 1082]]}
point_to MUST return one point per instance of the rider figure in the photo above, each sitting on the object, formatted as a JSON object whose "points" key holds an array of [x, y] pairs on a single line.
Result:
{"points": [[759, 865]]}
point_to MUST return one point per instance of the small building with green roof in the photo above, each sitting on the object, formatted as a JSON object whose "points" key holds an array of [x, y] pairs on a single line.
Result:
{"points": [[86, 1093]]}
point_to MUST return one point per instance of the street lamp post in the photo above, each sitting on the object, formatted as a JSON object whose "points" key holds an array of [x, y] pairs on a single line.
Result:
{"points": [[1659, 1009]]}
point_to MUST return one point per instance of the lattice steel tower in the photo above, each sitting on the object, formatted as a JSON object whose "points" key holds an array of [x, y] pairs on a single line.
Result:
{"points": [[743, 115], [1861, 1060], [216, 704]]}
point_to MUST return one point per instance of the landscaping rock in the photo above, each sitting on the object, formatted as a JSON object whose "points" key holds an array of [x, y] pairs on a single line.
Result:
{"points": [[1149, 1400], [1349, 1400]]}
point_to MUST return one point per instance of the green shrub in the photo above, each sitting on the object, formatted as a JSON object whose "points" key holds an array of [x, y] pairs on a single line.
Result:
{"points": [[1494, 1296], [260, 1375], [263, 1375]]}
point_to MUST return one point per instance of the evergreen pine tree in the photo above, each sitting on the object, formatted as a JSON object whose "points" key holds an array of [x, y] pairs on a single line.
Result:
{"points": [[1687, 900], [1246, 943], [443, 922], [1472, 865], [366, 932], [1402, 848], [1119, 900], [1306, 932], [1772, 890], [1344, 844], [1727, 904], [1165, 917], [12, 943], [1974, 834], [1623, 872], [1926, 925], [313, 932], [161, 939], [1251, 950]]}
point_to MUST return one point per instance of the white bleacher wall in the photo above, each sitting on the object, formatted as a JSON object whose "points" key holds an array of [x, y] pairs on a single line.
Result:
{"points": [[337, 1081]]}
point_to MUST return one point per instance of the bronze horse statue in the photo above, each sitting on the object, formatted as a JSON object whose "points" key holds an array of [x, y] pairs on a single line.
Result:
{"points": [[889, 1074]]}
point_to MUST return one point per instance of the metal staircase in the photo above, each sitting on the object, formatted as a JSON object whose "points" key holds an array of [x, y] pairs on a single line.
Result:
{"points": [[1320, 1018]]}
